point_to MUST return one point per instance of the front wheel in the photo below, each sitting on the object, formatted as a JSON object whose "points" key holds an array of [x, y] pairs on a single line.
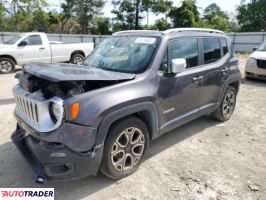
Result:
{"points": [[227, 106], [7, 65], [124, 148]]}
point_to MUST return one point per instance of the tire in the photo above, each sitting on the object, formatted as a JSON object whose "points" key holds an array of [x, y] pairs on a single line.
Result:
{"points": [[124, 149], [77, 59], [7, 66], [246, 76], [227, 106]]}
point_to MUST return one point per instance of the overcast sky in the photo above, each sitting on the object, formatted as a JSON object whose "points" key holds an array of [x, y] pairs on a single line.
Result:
{"points": [[226, 5]]}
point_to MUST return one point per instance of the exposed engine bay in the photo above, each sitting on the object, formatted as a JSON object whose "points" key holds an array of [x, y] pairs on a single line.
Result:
{"points": [[62, 89]]}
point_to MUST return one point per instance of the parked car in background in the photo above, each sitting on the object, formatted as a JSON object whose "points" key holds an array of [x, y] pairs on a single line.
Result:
{"points": [[256, 64], [35, 47], [136, 86]]}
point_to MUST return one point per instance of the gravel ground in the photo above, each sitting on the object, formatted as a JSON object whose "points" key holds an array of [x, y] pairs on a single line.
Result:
{"points": [[202, 160]]}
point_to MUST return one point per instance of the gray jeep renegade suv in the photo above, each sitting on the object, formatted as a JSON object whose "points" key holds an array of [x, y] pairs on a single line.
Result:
{"points": [[73, 121]]}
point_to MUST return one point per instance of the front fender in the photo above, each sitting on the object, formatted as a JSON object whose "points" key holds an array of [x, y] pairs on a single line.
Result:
{"points": [[151, 119]]}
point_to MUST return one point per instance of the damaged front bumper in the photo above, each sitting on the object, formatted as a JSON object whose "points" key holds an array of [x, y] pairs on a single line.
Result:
{"points": [[55, 161]]}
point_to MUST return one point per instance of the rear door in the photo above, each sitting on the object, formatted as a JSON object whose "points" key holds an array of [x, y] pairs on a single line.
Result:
{"points": [[214, 71], [34, 51]]}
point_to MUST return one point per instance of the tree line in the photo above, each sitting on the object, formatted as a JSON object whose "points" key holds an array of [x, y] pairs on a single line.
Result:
{"points": [[87, 17]]}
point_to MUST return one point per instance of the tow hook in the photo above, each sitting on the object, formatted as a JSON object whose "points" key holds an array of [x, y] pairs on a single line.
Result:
{"points": [[40, 180]]}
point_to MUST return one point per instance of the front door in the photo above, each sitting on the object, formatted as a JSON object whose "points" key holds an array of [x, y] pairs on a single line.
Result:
{"points": [[33, 51], [180, 94]]}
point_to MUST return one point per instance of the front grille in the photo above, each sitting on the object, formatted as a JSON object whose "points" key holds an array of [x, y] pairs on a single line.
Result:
{"points": [[33, 109], [29, 109], [255, 75], [261, 64]]}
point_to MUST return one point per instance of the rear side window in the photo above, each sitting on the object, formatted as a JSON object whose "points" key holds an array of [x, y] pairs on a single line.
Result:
{"points": [[224, 46], [212, 50], [185, 48]]}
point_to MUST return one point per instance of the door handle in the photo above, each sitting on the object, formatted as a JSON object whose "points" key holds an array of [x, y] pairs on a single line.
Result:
{"points": [[224, 71], [197, 79], [42, 48]]}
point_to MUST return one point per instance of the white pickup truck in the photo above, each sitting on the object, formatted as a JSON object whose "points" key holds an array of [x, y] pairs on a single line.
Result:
{"points": [[35, 47]]}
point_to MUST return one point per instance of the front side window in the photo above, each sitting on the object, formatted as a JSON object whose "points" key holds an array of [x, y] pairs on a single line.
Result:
{"points": [[185, 48], [33, 40], [212, 50], [129, 54]]}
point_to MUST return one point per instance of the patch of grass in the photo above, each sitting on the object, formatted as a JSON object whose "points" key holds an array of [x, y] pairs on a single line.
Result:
{"points": [[243, 55]]}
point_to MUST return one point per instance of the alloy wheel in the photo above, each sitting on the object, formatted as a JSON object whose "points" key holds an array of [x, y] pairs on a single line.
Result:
{"points": [[229, 104], [78, 60], [128, 149], [5, 66]]}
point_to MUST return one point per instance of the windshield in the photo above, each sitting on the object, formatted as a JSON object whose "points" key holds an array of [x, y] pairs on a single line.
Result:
{"points": [[129, 54], [262, 47], [14, 39]]}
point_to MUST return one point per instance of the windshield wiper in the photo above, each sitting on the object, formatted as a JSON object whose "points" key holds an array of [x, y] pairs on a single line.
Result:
{"points": [[104, 68], [108, 69], [115, 70]]}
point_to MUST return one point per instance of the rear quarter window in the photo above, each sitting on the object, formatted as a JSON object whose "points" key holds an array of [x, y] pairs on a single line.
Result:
{"points": [[224, 45]]}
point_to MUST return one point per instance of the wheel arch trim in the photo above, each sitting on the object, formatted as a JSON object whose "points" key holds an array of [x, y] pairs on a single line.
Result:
{"points": [[10, 57], [151, 120], [77, 52], [229, 83]]}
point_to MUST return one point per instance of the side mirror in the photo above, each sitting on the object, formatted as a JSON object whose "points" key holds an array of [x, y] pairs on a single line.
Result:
{"points": [[178, 65], [255, 49], [22, 44]]}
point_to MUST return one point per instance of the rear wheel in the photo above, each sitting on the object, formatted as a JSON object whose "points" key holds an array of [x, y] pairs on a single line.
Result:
{"points": [[7, 65], [124, 148], [77, 59], [227, 106], [247, 76]]}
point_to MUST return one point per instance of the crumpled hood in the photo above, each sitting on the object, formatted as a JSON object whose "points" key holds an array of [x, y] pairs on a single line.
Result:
{"points": [[68, 72], [259, 55]]}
